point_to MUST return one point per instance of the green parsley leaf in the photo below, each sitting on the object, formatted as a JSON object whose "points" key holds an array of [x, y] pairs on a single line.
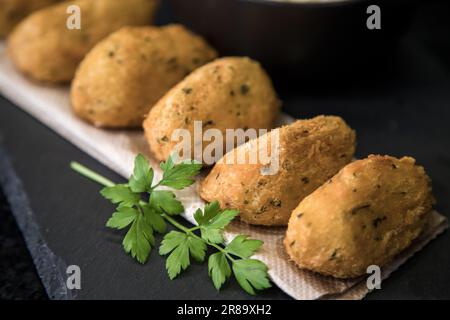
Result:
{"points": [[154, 219], [178, 260], [212, 221], [211, 210], [142, 178], [223, 219], [251, 274], [122, 218], [243, 247], [180, 245], [197, 248], [212, 235], [122, 194], [139, 239], [219, 269], [171, 240], [179, 176], [168, 165], [163, 201]]}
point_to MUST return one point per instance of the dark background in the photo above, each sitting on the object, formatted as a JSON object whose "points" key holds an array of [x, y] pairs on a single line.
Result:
{"points": [[406, 112]]}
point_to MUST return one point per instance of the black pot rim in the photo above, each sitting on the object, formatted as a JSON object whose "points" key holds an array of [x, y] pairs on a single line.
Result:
{"points": [[309, 4]]}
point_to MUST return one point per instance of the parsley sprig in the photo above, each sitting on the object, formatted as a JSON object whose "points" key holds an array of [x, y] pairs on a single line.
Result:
{"points": [[145, 209]]}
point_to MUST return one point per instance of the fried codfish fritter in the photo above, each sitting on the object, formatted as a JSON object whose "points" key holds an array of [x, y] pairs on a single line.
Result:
{"points": [[12, 11], [44, 48], [227, 93], [310, 153], [129, 71], [365, 215]]}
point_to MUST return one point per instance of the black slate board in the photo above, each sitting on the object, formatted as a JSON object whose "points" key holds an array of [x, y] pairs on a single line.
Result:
{"points": [[406, 113], [50, 267], [18, 276]]}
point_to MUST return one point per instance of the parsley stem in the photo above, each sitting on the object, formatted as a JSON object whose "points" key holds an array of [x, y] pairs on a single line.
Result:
{"points": [[190, 232], [221, 250], [88, 173], [156, 185], [175, 223]]}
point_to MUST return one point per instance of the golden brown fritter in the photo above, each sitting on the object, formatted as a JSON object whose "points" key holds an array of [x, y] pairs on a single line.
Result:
{"points": [[367, 214], [44, 48], [129, 71], [227, 93], [13, 11], [311, 152]]}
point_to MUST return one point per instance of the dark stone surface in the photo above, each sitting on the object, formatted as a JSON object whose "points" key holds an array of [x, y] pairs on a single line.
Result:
{"points": [[51, 268], [406, 112], [18, 277]]}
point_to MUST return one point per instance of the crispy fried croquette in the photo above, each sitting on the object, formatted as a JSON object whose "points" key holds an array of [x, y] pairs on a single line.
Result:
{"points": [[13, 11], [128, 72], [365, 215], [45, 49], [311, 152], [228, 93]]}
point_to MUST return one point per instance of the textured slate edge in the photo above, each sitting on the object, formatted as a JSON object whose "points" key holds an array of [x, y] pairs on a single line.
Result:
{"points": [[51, 269]]}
